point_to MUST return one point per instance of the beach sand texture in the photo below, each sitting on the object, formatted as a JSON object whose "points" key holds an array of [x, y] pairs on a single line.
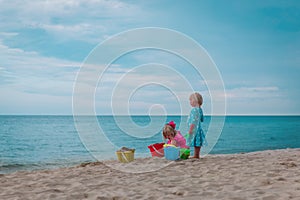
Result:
{"points": [[265, 175]]}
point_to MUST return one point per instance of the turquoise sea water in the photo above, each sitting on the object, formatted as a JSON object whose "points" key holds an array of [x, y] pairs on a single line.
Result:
{"points": [[43, 142]]}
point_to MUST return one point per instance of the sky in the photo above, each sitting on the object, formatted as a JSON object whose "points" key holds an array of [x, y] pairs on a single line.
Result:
{"points": [[255, 46]]}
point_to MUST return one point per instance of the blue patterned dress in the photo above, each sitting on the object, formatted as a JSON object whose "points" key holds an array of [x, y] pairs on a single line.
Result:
{"points": [[197, 139]]}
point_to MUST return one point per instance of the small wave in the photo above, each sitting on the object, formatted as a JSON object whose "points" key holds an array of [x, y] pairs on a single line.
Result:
{"points": [[6, 168], [13, 167]]}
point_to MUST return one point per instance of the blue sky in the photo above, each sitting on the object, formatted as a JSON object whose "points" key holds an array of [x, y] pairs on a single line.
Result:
{"points": [[255, 45]]}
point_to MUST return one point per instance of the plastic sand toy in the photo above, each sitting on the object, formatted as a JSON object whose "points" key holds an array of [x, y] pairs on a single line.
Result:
{"points": [[125, 154]]}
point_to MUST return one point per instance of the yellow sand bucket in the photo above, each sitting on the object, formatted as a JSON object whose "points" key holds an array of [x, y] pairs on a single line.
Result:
{"points": [[125, 155]]}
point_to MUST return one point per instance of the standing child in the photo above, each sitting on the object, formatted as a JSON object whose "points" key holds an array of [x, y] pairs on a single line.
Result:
{"points": [[174, 137], [196, 135]]}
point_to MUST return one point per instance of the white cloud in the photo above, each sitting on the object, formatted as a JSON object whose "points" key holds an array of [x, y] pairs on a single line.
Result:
{"points": [[257, 100], [253, 93], [42, 10], [143, 86], [18, 58], [89, 21], [8, 34], [17, 102], [29, 71]]}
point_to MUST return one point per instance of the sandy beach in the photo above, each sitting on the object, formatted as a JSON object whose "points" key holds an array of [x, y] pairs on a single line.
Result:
{"points": [[263, 175]]}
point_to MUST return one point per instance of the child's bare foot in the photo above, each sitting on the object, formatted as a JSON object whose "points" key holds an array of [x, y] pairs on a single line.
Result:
{"points": [[194, 157]]}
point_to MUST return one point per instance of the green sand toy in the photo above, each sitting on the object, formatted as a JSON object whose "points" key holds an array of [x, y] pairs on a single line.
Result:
{"points": [[184, 153]]}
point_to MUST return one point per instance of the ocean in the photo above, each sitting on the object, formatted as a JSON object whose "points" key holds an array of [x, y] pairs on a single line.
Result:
{"points": [[47, 142]]}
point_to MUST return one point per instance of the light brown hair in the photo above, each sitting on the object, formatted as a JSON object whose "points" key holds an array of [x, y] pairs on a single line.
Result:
{"points": [[198, 97], [168, 130]]}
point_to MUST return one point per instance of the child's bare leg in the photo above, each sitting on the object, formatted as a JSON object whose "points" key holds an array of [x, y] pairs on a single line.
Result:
{"points": [[197, 152]]}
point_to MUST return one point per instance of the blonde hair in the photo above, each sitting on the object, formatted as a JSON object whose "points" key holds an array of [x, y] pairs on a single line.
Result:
{"points": [[198, 97], [168, 130]]}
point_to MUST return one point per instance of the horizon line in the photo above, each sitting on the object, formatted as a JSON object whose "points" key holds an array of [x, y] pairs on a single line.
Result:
{"points": [[149, 115]]}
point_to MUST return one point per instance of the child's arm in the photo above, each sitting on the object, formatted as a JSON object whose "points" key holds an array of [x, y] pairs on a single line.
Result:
{"points": [[192, 126], [173, 142], [194, 116], [190, 135]]}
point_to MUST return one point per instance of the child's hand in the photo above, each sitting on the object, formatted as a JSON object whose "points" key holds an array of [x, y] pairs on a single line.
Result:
{"points": [[173, 142], [188, 138]]}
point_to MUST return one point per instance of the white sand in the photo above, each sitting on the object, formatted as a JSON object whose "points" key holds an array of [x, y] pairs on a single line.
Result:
{"points": [[260, 175]]}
